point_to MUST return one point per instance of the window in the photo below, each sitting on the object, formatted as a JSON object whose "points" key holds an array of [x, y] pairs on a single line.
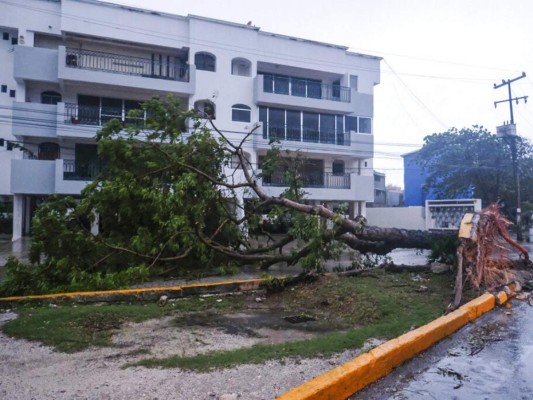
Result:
{"points": [[14, 41], [241, 67], [12, 93], [353, 82], [5, 35], [351, 124], [4, 89], [48, 151], [205, 61], [338, 167], [205, 108], [365, 125], [50, 97], [241, 113]]}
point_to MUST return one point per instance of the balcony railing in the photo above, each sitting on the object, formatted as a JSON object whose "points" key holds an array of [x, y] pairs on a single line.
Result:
{"points": [[76, 171], [129, 65], [98, 116], [305, 88], [299, 134], [326, 180]]}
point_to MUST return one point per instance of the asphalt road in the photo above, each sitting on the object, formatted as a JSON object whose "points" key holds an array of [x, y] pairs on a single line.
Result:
{"points": [[491, 358]]}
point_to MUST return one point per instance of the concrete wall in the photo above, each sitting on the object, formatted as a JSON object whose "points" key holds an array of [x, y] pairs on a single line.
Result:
{"points": [[397, 217]]}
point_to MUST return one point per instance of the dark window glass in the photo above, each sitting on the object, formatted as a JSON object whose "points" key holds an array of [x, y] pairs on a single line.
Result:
{"points": [[241, 113], [5, 35], [327, 128], [281, 84], [268, 83], [48, 151], [338, 167], [205, 62], [14, 41], [50, 97], [12, 93], [314, 89], [298, 87], [310, 127], [111, 109], [276, 123], [263, 113], [351, 124], [4, 88], [365, 125], [340, 130], [294, 131], [88, 110]]}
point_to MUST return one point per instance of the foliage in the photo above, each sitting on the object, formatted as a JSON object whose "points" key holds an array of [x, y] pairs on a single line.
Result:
{"points": [[460, 161], [444, 250]]}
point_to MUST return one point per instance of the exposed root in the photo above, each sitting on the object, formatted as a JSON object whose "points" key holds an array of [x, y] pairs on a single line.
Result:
{"points": [[487, 257]]}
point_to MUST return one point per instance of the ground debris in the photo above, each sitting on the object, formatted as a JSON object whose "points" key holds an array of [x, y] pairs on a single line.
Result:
{"points": [[453, 374]]}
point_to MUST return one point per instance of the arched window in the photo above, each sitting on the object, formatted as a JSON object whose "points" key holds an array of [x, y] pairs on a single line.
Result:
{"points": [[241, 113], [241, 67], [48, 151], [205, 108], [50, 97], [338, 167], [205, 62]]}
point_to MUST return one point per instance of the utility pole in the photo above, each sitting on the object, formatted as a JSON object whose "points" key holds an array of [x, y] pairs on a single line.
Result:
{"points": [[508, 133]]}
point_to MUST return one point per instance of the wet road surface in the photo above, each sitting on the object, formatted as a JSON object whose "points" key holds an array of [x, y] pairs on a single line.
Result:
{"points": [[491, 358]]}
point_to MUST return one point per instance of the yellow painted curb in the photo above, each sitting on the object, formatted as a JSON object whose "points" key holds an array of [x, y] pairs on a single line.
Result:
{"points": [[349, 378], [240, 285]]}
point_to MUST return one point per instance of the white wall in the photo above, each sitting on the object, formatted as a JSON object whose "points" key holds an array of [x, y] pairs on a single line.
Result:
{"points": [[397, 217]]}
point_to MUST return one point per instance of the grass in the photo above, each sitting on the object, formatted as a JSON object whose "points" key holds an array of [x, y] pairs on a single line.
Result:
{"points": [[378, 305], [74, 328]]}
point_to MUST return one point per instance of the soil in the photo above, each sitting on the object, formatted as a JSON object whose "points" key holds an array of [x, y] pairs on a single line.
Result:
{"points": [[32, 371]]}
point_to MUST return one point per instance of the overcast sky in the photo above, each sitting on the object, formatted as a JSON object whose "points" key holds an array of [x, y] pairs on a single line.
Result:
{"points": [[441, 57]]}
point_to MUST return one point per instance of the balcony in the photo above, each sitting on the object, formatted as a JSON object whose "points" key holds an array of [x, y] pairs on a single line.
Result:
{"points": [[98, 116], [30, 176], [327, 187], [127, 71], [101, 61], [305, 88], [325, 180], [75, 171], [309, 95], [35, 64], [298, 134]]}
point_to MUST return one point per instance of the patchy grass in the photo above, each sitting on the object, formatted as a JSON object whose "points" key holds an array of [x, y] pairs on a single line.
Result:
{"points": [[376, 304], [74, 328]]}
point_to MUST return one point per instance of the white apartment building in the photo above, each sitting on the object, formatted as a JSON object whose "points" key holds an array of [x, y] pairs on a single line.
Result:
{"points": [[68, 66]]}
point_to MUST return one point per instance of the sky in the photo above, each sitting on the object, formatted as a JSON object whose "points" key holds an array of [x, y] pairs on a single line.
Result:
{"points": [[441, 58]]}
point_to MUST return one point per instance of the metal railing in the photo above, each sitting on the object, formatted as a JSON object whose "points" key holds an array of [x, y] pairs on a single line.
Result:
{"points": [[305, 88], [98, 116], [76, 171], [326, 180], [298, 134], [129, 65]]}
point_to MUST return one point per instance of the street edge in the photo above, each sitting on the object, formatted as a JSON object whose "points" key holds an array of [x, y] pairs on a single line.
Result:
{"points": [[347, 379], [143, 294]]}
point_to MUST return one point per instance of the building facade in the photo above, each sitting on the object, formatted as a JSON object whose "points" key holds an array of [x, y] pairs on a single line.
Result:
{"points": [[69, 66]]}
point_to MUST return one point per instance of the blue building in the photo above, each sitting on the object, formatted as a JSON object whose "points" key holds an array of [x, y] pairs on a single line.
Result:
{"points": [[414, 179]]}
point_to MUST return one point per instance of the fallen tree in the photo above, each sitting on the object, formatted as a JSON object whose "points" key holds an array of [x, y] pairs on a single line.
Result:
{"points": [[180, 201]]}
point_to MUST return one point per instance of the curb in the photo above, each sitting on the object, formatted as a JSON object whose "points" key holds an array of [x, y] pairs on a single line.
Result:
{"points": [[349, 378], [142, 294]]}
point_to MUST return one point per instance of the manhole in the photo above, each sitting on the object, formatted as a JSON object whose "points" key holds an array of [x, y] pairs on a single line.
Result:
{"points": [[296, 319]]}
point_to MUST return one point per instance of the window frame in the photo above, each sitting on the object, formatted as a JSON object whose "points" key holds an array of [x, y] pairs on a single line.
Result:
{"points": [[241, 108]]}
